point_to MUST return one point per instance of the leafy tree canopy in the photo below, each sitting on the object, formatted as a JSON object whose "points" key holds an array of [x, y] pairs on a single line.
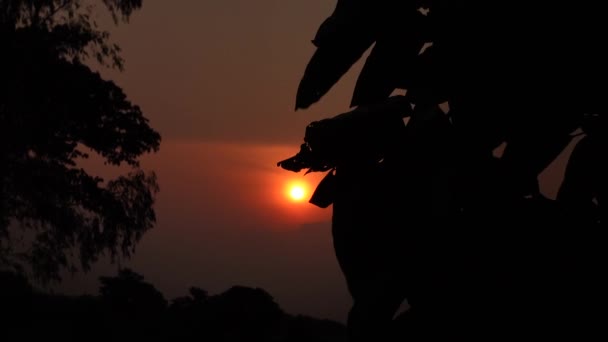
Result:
{"points": [[54, 110]]}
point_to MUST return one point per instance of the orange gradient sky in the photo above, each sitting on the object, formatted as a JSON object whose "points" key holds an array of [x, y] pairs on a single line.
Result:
{"points": [[217, 79], [225, 218]]}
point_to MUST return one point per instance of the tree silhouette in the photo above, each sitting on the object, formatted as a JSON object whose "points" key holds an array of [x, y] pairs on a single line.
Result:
{"points": [[128, 292], [128, 307], [436, 214], [54, 111], [138, 306]]}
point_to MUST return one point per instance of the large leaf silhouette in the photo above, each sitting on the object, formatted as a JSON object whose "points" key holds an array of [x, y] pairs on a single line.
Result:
{"points": [[394, 58], [341, 40], [585, 185]]}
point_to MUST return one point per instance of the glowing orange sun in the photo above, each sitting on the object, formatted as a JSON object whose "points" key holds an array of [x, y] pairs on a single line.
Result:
{"points": [[297, 192]]}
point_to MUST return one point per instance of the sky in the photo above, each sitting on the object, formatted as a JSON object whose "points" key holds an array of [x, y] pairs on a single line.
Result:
{"points": [[217, 79]]}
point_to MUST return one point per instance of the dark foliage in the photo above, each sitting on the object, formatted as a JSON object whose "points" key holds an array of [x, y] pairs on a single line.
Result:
{"points": [[54, 111], [128, 307], [438, 217]]}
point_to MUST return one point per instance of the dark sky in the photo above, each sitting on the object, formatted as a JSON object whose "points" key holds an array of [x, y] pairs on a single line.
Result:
{"points": [[224, 70], [217, 78]]}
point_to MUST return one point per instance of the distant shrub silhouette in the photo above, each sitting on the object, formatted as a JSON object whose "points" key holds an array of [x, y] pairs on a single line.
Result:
{"points": [[128, 292], [128, 307]]}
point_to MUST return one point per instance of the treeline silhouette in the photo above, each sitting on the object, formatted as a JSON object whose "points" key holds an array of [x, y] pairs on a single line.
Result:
{"points": [[129, 308]]}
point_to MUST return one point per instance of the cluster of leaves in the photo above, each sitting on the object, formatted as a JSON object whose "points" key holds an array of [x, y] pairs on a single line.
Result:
{"points": [[68, 26], [54, 109], [455, 207], [363, 134], [529, 89]]}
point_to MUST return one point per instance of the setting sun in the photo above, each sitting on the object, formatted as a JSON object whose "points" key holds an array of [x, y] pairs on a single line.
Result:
{"points": [[297, 191]]}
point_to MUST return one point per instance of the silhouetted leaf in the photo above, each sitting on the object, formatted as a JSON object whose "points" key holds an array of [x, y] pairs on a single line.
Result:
{"points": [[324, 193], [394, 57], [584, 184], [341, 40]]}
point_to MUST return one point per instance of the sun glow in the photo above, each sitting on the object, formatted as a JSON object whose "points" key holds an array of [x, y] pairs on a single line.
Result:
{"points": [[297, 191]]}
